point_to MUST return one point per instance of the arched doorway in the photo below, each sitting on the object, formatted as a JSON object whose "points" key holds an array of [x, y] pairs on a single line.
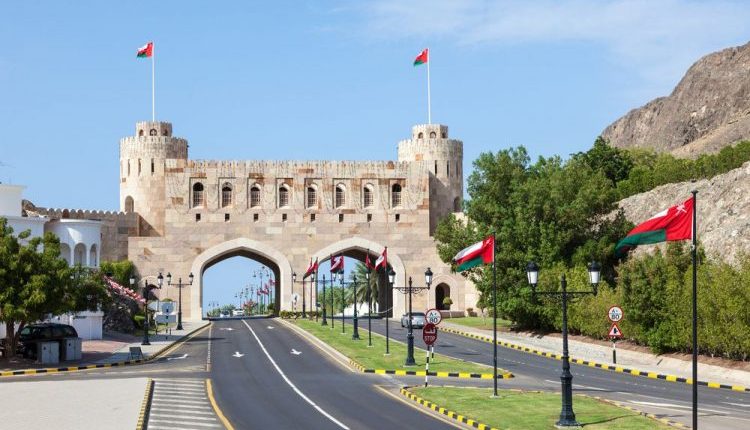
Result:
{"points": [[441, 292], [278, 264]]}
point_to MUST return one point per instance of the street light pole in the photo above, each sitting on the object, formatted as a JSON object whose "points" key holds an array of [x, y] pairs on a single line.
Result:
{"points": [[369, 310], [179, 304], [323, 302], [303, 298], [146, 290], [567, 416], [343, 302], [391, 279], [355, 333], [410, 336]]}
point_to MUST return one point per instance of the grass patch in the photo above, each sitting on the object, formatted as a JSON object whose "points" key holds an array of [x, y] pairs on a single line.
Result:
{"points": [[374, 358], [481, 323], [513, 409]]}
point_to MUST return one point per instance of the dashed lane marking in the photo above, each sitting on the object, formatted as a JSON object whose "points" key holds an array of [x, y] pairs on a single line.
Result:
{"points": [[181, 404]]}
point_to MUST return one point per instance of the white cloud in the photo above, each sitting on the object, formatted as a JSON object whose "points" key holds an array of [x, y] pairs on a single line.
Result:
{"points": [[657, 39]]}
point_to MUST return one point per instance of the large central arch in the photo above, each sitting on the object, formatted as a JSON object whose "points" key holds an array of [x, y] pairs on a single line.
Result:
{"points": [[363, 245], [252, 249]]}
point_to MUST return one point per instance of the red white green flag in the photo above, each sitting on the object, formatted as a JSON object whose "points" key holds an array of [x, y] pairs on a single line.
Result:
{"points": [[675, 223], [477, 254], [422, 57], [146, 50]]}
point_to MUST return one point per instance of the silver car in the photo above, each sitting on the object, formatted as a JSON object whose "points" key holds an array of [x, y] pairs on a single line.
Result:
{"points": [[417, 320]]}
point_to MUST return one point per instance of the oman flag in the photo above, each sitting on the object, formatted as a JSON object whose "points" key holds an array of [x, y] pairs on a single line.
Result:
{"points": [[675, 223], [422, 57], [480, 253], [146, 50]]}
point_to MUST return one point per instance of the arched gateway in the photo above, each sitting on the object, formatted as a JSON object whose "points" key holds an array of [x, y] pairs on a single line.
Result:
{"points": [[185, 215]]}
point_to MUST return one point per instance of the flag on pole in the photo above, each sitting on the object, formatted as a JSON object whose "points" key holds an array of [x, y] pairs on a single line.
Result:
{"points": [[382, 260], [675, 223], [312, 268], [146, 50], [337, 264], [422, 57], [475, 255], [368, 263]]}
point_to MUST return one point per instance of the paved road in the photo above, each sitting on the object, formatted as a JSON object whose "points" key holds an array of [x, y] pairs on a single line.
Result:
{"points": [[282, 381], [719, 409]]}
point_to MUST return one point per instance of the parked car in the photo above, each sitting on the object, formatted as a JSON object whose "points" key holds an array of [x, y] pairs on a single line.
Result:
{"points": [[417, 320], [32, 334]]}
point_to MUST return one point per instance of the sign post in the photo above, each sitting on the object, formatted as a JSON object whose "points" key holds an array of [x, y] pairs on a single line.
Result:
{"points": [[429, 335], [615, 315]]}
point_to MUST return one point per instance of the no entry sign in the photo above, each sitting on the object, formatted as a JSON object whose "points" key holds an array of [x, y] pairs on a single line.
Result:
{"points": [[429, 334]]}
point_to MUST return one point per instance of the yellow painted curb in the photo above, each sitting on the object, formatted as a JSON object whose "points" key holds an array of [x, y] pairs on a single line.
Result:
{"points": [[219, 413], [145, 405], [458, 417]]}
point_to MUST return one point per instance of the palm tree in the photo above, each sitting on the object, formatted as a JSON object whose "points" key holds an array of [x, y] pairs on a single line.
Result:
{"points": [[360, 271]]}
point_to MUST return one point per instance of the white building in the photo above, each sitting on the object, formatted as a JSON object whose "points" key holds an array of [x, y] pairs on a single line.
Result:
{"points": [[80, 243]]}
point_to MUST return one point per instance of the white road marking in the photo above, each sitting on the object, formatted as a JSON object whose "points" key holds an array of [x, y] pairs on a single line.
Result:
{"points": [[270, 327], [295, 352], [181, 404], [742, 405], [182, 357], [226, 328], [675, 406], [294, 387], [184, 424], [237, 354]]}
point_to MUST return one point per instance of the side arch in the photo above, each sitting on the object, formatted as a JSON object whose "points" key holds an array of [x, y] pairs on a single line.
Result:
{"points": [[246, 247]]}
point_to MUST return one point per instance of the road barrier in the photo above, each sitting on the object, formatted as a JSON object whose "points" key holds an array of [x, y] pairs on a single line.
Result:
{"points": [[466, 375]]}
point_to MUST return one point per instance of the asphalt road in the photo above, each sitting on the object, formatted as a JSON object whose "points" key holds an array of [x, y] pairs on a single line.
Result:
{"points": [[266, 376], [718, 408]]}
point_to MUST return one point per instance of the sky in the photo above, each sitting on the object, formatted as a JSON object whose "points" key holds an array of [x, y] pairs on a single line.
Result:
{"points": [[328, 79]]}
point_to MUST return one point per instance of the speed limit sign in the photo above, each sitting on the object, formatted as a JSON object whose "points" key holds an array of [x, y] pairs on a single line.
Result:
{"points": [[433, 316], [614, 314]]}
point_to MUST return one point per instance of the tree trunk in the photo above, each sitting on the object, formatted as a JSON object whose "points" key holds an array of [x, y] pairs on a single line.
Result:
{"points": [[10, 339]]}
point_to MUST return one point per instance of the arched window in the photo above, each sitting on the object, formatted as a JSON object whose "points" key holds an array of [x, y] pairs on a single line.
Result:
{"points": [[283, 196], [367, 200], [254, 196], [396, 195], [164, 132], [433, 135], [441, 292], [198, 198], [128, 167], [457, 204], [420, 135], [139, 167], [340, 198], [79, 254], [93, 257], [226, 195], [129, 204], [65, 252], [312, 197], [140, 132]]}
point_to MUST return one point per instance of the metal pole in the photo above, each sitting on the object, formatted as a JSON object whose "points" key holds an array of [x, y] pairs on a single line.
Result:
{"points": [[494, 318], [179, 312], [369, 312], [387, 335], [303, 297], [323, 302], [343, 302], [355, 334], [333, 307], [695, 315], [145, 322], [410, 337], [567, 416]]}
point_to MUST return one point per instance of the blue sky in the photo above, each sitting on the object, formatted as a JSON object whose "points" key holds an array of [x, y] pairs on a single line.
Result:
{"points": [[328, 79]]}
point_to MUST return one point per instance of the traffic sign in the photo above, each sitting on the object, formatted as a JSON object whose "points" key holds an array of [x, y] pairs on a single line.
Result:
{"points": [[615, 332], [615, 314], [433, 316], [429, 334], [295, 297]]}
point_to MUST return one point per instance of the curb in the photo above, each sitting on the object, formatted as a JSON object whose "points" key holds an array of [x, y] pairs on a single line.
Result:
{"points": [[145, 405], [463, 375], [589, 363], [156, 355], [441, 410]]}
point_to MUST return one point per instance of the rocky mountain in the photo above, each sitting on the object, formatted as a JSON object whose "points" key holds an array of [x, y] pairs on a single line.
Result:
{"points": [[723, 215], [707, 110]]}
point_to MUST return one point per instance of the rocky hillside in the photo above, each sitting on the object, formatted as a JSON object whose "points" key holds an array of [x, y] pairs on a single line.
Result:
{"points": [[709, 109], [723, 210]]}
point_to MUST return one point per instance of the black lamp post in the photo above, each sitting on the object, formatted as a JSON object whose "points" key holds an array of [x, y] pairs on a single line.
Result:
{"points": [[369, 310], [146, 292], [355, 333], [323, 302], [410, 336], [179, 302], [294, 281], [567, 416], [304, 310], [391, 280]]}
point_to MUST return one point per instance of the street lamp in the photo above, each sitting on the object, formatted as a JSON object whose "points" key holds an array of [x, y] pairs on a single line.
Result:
{"points": [[369, 309], [179, 286], [410, 337], [355, 333], [391, 280], [146, 290], [567, 416], [323, 303]]}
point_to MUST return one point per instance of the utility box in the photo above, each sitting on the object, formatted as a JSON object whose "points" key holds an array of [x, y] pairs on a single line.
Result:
{"points": [[48, 352], [71, 349]]}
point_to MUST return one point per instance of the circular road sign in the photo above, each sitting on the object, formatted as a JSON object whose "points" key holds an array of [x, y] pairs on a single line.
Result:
{"points": [[615, 314], [429, 334], [433, 316]]}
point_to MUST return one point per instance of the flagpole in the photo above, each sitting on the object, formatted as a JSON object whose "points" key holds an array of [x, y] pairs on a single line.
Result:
{"points": [[494, 316], [429, 107], [695, 313], [153, 83]]}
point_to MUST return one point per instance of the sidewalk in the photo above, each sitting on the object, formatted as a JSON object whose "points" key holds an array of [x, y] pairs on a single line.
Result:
{"points": [[158, 343], [625, 358]]}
